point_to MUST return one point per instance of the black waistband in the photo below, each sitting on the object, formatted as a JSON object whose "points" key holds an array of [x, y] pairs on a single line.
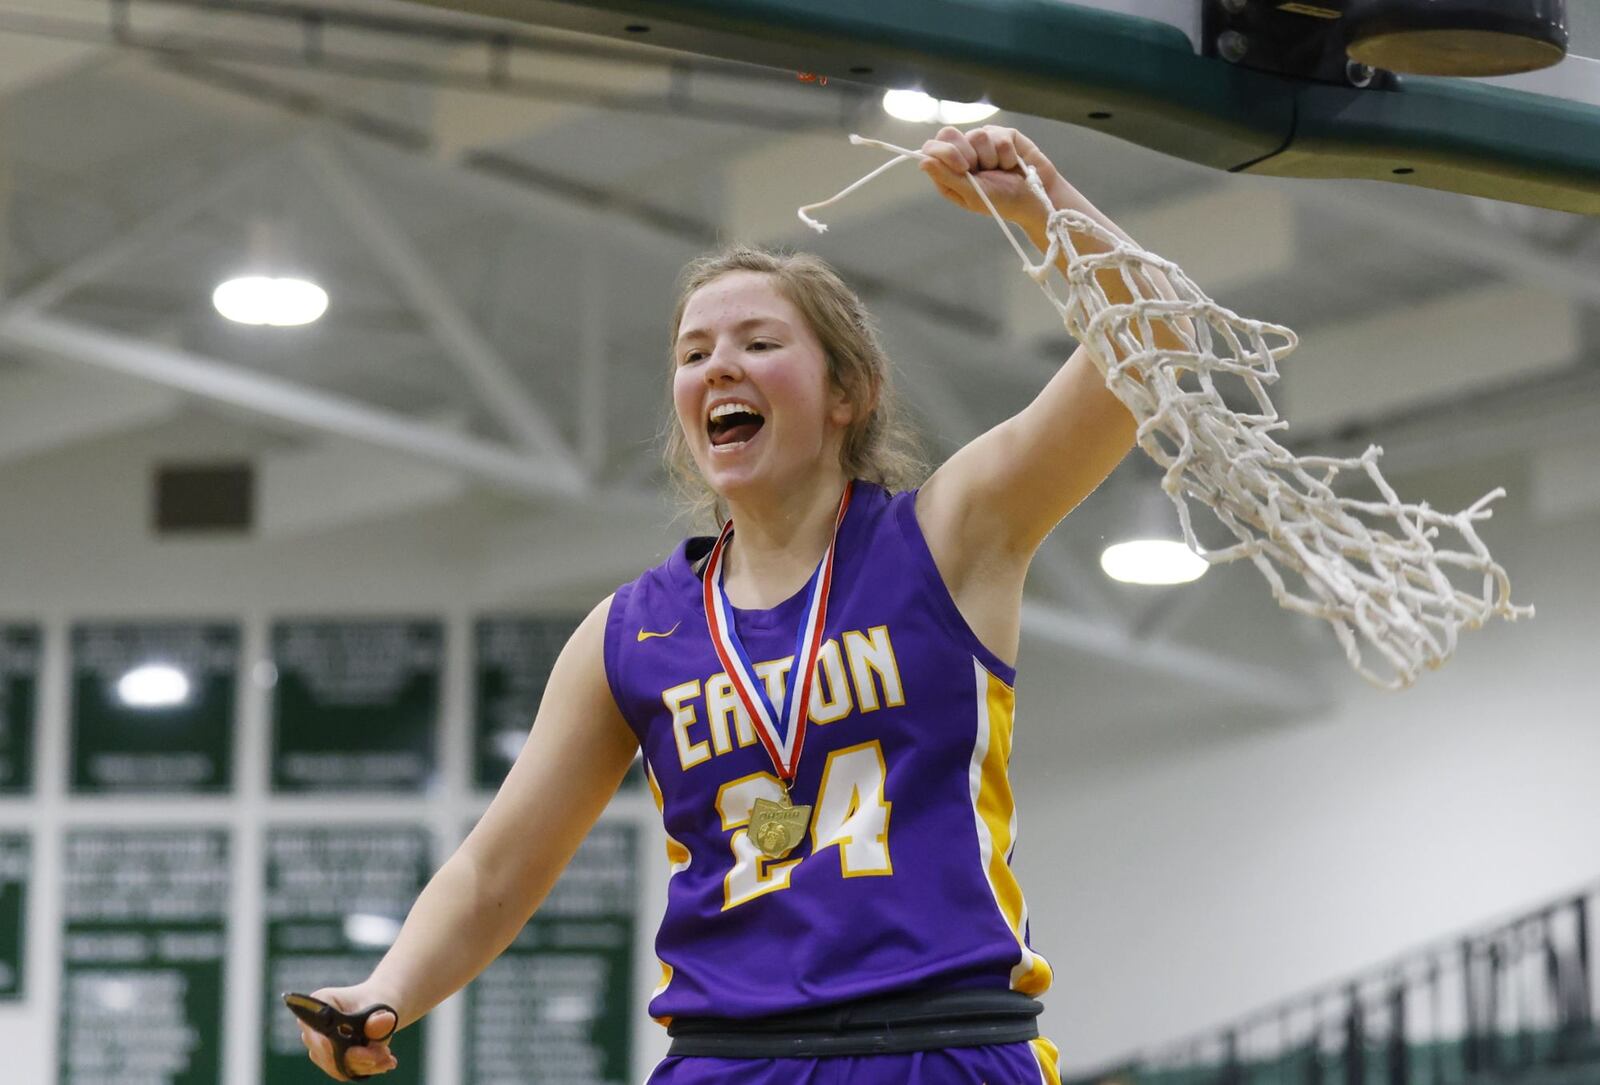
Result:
{"points": [[880, 1026]]}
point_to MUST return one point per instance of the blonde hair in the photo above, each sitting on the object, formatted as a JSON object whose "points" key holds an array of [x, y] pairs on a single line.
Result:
{"points": [[878, 445]]}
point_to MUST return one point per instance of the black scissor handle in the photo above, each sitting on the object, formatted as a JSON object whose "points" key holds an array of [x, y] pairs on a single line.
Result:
{"points": [[345, 1030]]}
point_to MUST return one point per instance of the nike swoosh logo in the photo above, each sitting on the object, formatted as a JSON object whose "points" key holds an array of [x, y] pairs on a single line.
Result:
{"points": [[645, 634]]}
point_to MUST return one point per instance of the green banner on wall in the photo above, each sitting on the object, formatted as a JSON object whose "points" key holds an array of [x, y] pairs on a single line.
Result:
{"points": [[556, 1007], [355, 706], [512, 659], [153, 706], [335, 900], [20, 656], [143, 949], [15, 867]]}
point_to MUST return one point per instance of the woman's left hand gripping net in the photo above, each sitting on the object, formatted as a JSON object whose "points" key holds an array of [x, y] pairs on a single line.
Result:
{"points": [[1379, 570]]}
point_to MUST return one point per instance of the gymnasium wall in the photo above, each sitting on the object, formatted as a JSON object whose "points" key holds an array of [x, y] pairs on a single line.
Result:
{"points": [[1181, 889]]}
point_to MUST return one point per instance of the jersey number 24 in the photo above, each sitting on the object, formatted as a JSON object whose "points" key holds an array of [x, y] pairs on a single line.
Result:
{"points": [[851, 814]]}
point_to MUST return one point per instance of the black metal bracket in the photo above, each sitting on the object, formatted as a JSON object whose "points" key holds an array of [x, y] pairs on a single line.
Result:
{"points": [[1304, 39]]}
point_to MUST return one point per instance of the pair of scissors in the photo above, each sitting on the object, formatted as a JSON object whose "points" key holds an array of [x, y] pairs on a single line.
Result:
{"points": [[346, 1030]]}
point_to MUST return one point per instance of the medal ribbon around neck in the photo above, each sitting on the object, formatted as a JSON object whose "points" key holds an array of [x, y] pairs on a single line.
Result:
{"points": [[782, 733]]}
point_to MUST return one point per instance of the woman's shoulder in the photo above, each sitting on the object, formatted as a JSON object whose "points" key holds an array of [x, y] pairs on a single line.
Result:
{"points": [[884, 510], [876, 504], [666, 586]]}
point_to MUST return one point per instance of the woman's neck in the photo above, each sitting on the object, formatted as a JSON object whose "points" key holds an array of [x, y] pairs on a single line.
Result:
{"points": [[778, 542]]}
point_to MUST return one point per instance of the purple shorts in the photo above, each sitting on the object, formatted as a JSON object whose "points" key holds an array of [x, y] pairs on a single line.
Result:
{"points": [[1032, 1063]]}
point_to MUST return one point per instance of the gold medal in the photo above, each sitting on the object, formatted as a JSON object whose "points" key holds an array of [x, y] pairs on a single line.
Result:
{"points": [[778, 827]]}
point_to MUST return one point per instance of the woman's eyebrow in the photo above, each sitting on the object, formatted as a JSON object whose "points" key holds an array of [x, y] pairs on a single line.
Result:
{"points": [[747, 322]]}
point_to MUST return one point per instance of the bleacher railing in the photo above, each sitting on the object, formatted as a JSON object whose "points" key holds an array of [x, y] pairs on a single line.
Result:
{"points": [[1515, 1002]]}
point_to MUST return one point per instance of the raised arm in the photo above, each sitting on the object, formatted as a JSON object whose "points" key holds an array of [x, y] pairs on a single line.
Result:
{"points": [[989, 506], [474, 905]]}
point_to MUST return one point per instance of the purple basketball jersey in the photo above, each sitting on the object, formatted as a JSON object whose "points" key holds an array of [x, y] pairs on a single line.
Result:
{"points": [[903, 881]]}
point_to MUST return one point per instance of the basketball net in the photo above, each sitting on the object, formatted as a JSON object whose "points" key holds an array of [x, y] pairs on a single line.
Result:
{"points": [[1373, 567]]}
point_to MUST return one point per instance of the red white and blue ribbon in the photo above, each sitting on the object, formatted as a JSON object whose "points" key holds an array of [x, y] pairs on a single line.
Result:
{"points": [[783, 733]]}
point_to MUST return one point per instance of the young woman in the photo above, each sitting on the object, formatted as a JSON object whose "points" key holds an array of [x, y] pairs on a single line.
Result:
{"points": [[823, 697]]}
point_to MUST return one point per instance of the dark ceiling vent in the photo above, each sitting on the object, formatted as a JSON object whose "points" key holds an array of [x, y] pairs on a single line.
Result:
{"points": [[212, 498]]}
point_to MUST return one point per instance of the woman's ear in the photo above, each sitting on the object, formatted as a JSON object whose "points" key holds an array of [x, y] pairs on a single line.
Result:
{"points": [[841, 412], [843, 409]]}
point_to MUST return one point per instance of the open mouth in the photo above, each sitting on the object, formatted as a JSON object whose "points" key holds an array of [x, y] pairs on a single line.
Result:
{"points": [[733, 424]]}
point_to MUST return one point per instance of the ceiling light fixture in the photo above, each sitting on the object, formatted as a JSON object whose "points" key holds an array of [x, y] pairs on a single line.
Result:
{"points": [[261, 299], [1150, 548], [1152, 561], [920, 108]]}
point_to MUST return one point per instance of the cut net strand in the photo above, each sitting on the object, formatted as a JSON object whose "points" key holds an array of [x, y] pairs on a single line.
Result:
{"points": [[1375, 569]]}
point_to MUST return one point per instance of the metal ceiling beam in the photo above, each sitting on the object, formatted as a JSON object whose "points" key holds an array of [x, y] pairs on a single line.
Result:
{"points": [[593, 424], [494, 76], [1248, 683], [489, 374], [1463, 238], [153, 228], [1519, 415], [8, 145], [48, 337], [529, 190]]}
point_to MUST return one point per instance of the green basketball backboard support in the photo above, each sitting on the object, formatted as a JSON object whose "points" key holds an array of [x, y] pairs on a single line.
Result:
{"points": [[1133, 68]]}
